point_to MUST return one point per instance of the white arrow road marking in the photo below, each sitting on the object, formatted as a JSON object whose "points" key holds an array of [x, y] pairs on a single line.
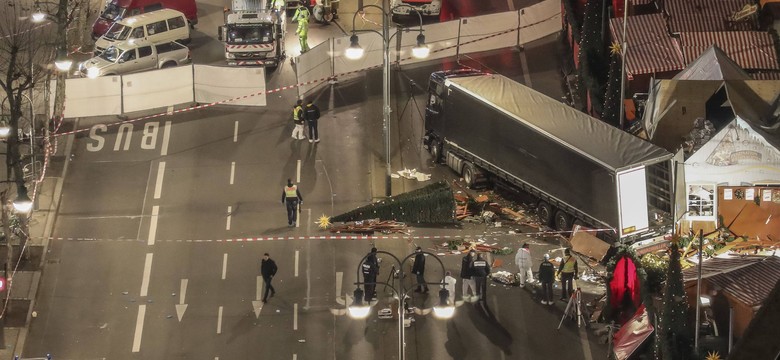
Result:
{"points": [[181, 307], [257, 305], [339, 279]]}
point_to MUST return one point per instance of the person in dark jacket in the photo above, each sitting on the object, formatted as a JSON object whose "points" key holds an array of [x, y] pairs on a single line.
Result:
{"points": [[312, 113], [291, 197], [568, 272], [546, 277], [268, 270], [419, 269], [480, 270], [466, 273], [370, 269]]}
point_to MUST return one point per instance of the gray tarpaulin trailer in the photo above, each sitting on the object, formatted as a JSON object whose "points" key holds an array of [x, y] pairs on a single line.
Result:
{"points": [[580, 169]]}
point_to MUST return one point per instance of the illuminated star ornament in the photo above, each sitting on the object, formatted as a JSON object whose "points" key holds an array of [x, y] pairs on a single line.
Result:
{"points": [[614, 49], [713, 355], [324, 222]]}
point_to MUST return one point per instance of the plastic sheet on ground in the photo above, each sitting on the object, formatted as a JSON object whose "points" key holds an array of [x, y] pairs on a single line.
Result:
{"points": [[504, 277], [632, 334]]}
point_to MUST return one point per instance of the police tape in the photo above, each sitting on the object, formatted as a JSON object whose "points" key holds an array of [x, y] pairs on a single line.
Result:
{"points": [[293, 86]]}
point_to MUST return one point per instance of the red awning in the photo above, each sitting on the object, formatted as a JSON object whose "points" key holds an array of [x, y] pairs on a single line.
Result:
{"points": [[704, 15], [751, 50], [650, 48], [632, 334]]}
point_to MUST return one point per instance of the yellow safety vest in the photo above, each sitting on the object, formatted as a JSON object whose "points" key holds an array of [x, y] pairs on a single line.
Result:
{"points": [[297, 113], [568, 266], [291, 191]]}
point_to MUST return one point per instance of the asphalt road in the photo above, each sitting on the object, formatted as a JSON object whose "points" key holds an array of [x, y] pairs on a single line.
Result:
{"points": [[163, 223]]}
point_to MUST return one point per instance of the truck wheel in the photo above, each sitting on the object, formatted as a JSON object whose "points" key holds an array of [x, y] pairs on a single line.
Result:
{"points": [[562, 221], [469, 174], [169, 64], [435, 149], [545, 213]]}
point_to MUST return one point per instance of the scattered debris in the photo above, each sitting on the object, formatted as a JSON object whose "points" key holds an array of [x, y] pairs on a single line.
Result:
{"points": [[504, 277], [413, 175], [370, 226]]}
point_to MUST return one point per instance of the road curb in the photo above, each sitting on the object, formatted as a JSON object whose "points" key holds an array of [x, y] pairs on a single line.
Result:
{"points": [[51, 216]]}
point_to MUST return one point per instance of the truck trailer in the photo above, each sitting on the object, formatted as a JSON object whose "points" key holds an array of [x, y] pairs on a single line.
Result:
{"points": [[253, 35], [580, 170]]}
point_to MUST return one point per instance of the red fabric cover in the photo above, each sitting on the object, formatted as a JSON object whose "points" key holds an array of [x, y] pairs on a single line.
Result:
{"points": [[632, 334], [618, 6], [624, 279]]}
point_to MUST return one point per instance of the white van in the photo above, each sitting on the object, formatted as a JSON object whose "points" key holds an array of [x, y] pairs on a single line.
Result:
{"points": [[156, 27]]}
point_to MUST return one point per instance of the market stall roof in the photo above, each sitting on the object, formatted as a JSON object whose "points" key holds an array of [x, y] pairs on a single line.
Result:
{"points": [[751, 50], [632, 334], [699, 15], [759, 341], [650, 47], [712, 64], [612, 148], [748, 279]]}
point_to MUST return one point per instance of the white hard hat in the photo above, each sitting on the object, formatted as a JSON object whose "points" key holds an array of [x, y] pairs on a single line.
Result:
{"points": [[547, 256]]}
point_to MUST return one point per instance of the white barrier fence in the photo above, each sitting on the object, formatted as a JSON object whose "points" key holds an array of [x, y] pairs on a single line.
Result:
{"points": [[114, 95], [466, 35]]}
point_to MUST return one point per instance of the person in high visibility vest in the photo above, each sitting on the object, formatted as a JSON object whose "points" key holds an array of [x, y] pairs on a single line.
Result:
{"points": [[291, 197], [302, 16], [298, 119], [568, 272]]}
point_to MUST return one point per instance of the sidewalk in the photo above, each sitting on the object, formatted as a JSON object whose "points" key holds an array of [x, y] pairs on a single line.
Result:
{"points": [[24, 285]]}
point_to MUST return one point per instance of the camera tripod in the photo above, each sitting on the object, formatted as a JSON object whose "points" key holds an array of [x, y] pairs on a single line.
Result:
{"points": [[411, 99], [574, 309]]}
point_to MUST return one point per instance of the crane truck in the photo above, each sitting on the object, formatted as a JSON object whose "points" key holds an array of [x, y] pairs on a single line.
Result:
{"points": [[252, 34], [578, 169]]}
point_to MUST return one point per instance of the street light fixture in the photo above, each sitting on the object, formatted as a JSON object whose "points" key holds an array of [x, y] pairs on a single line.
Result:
{"points": [[355, 52], [22, 203], [5, 129], [62, 63], [38, 15], [360, 309]]}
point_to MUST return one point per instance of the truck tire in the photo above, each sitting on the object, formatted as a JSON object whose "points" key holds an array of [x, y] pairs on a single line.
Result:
{"points": [[562, 221], [435, 150], [545, 213], [469, 174]]}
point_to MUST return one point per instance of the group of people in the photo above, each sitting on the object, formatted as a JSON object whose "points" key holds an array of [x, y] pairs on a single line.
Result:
{"points": [[306, 115], [567, 271]]}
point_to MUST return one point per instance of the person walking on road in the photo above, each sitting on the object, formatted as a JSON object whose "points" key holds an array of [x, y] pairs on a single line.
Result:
{"points": [[467, 275], [481, 269], [370, 269], [546, 278], [524, 264], [312, 114], [268, 270], [568, 272], [298, 115], [419, 269], [291, 197], [302, 16]]}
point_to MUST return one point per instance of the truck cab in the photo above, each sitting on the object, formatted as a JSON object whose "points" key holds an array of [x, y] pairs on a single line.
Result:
{"points": [[253, 37]]}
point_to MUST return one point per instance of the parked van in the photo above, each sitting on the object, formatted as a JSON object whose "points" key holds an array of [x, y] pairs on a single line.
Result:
{"points": [[156, 27], [119, 9]]}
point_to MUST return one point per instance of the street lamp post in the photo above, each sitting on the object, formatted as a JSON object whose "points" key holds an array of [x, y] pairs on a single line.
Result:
{"points": [[355, 52], [359, 309]]}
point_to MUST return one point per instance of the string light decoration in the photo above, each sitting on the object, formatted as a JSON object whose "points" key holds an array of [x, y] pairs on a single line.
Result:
{"points": [[675, 336], [593, 57], [612, 97]]}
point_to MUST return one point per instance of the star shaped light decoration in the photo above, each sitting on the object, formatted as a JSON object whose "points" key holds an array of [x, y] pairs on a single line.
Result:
{"points": [[614, 49], [713, 355], [324, 222]]}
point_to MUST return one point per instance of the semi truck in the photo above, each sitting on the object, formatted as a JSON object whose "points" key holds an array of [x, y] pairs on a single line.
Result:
{"points": [[252, 34], [577, 169]]}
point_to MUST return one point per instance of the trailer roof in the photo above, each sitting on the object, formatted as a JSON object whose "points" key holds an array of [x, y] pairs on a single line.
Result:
{"points": [[589, 136]]}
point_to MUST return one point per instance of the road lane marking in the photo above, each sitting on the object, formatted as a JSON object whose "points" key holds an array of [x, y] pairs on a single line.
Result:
{"points": [[235, 132], [232, 172], [166, 138], [257, 305], [147, 273], [339, 279], [153, 225], [585, 344], [181, 307], [224, 265], [295, 316], [169, 111], [295, 356], [296, 262], [259, 291], [139, 328], [159, 182], [219, 321], [298, 173], [229, 213]]}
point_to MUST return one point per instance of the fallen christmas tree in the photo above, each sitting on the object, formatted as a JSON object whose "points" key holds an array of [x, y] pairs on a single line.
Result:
{"points": [[434, 203]]}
